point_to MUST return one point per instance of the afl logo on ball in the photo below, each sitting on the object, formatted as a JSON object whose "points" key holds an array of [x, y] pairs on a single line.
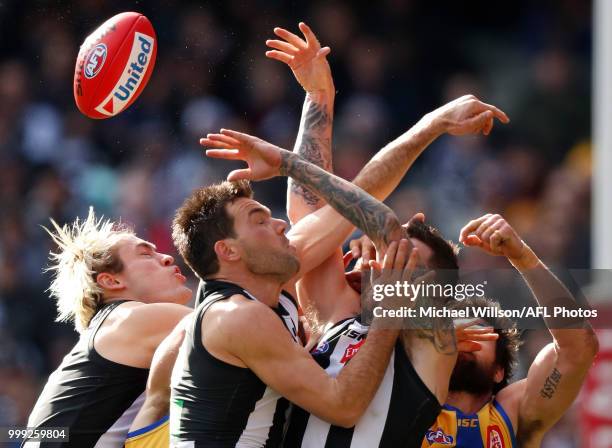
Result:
{"points": [[95, 60]]}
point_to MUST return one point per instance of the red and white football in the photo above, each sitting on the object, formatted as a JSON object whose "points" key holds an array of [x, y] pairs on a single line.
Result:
{"points": [[114, 65]]}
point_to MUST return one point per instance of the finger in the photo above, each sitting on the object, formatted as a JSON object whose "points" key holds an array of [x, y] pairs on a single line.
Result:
{"points": [[366, 256], [241, 137], [354, 247], [390, 255], [368, 246], [492, 219], [478, 122], [401, 257], [469, 346], [420, 216], [486, 130], [223, 138], [491, 229], [208, 143], [498, 113], [375, 270], [472, 240], [311, 39], [496, 241], [282, 46], [244, 173], [227, 154], [347, 258], [280, 56], [290, 37], [411, 265], [471, 226], [483, 337], [323, 52]]}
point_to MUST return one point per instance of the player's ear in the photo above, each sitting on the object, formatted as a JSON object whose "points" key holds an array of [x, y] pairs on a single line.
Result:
{"points": [[110, 282], [499, 374], [227, 250]]}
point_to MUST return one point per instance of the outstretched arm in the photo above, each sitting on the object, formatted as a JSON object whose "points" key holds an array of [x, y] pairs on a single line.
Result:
{"points": [[556, 375], [308, 63], [266, 160], [463, 116]]}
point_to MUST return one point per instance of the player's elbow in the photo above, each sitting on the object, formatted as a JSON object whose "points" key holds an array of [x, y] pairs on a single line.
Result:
{"points": [[591, 344], [583, 348]]}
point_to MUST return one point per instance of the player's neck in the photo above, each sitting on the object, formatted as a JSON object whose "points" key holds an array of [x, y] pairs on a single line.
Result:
{"points": [[467, 402], [264, 288]]}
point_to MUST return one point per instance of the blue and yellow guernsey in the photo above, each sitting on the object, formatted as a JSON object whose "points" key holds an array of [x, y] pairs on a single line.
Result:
{"points": [[488, 428]]}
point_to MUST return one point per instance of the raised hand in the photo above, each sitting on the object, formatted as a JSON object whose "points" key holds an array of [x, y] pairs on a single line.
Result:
{"points": [[492, 234], [469, 333], [304, 56], [468, 115], [263, 158]]}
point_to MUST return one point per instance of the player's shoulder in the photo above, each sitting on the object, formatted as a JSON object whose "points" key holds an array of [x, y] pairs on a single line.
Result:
{"points": [[239, 309], [138, 316], [509, 398], [241, 314]]}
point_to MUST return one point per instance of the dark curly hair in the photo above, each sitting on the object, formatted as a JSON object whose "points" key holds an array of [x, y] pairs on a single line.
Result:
{"points": [[507, 346], [202, 220]]}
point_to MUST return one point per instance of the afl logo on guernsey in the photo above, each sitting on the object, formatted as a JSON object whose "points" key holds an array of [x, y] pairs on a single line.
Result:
{"points": [[95, 60], [438, 437]]}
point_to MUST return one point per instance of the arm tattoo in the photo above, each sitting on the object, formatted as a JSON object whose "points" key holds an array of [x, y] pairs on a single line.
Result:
{"points": [[370, 215], [550, 384], [439, 331], [313, 144]]}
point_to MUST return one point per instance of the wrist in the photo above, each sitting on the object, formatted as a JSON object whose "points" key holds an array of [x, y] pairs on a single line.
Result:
{"points": [[433, 124], [526, 261], [322, 94]]}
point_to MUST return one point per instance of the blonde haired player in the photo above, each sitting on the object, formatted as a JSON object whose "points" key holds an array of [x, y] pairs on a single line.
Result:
{"points": [[124, 298]]}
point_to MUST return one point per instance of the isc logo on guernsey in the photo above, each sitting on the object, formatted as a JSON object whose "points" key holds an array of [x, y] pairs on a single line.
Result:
{"points": [[135, 68]]}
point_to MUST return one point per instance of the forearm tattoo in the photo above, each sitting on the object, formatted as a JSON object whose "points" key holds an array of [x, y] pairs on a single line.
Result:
{"points": [[314, 145], [550, 384], [370, 215]]}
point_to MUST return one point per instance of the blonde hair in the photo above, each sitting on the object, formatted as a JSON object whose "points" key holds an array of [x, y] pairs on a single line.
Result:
{"points": [[87, 248]]}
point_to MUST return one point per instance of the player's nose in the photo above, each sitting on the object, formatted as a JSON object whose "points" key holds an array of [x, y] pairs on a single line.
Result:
{"points": [[281, 225], [167, 260]]}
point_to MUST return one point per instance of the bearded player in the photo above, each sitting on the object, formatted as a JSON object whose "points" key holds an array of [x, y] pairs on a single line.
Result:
{"points": [[482, 410], [124, 298], [420, 368]]}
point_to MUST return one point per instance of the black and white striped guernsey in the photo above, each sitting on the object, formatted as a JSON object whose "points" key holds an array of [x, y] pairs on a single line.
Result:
{"points": [[96, 398], [398, 416], [218, 405]]}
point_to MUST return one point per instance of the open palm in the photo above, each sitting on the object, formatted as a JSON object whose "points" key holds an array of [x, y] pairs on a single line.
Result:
{"points": [[305, 57], [263, 158]]}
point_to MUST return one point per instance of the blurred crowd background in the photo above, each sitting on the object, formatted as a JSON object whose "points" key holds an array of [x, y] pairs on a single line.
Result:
{"points": [[392, 60]]}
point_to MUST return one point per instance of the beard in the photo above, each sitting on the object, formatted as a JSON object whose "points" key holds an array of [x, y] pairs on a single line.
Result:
{"points": [[276, 263], [469, 376]]}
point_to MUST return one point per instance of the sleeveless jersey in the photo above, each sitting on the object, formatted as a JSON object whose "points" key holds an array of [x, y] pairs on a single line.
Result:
{"points": [[398, 416], [488, 428], [215, 404], [97, 399], [155, 435]]}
